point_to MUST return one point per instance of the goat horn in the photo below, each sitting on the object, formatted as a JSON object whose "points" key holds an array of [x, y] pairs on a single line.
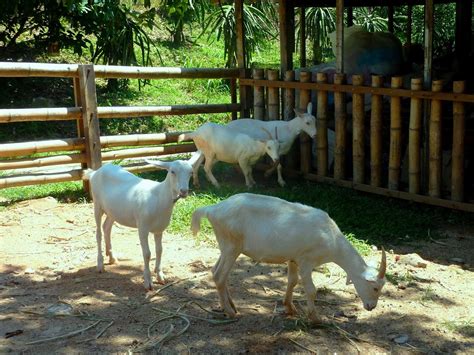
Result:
{"points": [[276, 132], [383, 265], [269, 134]]}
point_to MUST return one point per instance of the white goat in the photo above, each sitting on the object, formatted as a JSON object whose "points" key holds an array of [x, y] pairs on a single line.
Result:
{"points": [[221, 143], [272, 230], [138, 203], [283, 131]]}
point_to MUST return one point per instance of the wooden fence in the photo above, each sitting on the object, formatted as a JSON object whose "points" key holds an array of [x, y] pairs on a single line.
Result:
{"points": [[415, 137], [88, 148]]}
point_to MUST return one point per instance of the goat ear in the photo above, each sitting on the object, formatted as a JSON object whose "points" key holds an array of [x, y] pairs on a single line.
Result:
{"points": [[195, 157], [159, 163], [298, 112], [348, 280], [309, 108]]}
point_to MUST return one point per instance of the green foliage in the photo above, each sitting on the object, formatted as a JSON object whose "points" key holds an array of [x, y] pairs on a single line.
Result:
{"points": [[221, 23], [374, 19], [320, 21]]}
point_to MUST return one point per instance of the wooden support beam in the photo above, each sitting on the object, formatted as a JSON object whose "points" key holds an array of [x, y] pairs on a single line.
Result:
{"points": [[340, 113], [390, 11], [305, 141], [428, 43], [435, 150], [273, 96], [322, 128], [286, 16], [339, 36], [414, 140], [302, 37], [459, 132], [395, 157], [358, 134], [376, 124], [89, 116]]}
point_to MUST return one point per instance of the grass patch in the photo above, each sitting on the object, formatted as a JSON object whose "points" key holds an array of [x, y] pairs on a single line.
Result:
{"points": [[465, 328]]}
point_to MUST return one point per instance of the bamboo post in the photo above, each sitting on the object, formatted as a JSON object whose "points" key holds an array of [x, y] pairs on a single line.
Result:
{"points": [[435, 153], [89, 116], [291, 158], [395, 155], [340, 113], [233, 96], [273, 96], [289, 98], [258, 96], [302, 37], [80, 127], [459, 123], [322, 127], [358, 141], [305, 142], [414, 143], [376, 135]]}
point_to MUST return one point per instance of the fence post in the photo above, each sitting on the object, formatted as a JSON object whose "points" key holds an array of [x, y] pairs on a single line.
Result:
{"points": [[258, 96], [340, 113], [80, 126], [414, 152], [358, 141], [233, 96], [90, 119], [322, 127], [435, 154], [376, 135], [273, 96], [288, 113], [395, 137], [459, 123], [305, 142]]}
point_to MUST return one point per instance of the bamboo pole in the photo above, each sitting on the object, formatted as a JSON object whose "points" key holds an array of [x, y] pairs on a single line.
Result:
{"points": [[305, 142], [140, 111], [339, 36], [24, 180], [376, 135], [435, 153], [459, 125], [139, 139], [322, 128], [414, 140], [9, 69], [258, 96], [302, 37], [289, 98], [146, 152], [43, 161], [395, 155], [39, 114], [27, 148], [340, 113], [358, 141], [273, 96], [89, 116]]}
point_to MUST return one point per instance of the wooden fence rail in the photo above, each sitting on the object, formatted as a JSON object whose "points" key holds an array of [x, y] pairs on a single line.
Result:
{"points": [[393, 138], [87, 149]]}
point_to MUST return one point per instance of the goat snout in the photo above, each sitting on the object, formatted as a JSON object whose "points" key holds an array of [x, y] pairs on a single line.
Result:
{"points": [[183, 193], [369, 306]]}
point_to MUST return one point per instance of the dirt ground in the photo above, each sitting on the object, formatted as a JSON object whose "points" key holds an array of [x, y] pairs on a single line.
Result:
{"points": [[48, 257]]}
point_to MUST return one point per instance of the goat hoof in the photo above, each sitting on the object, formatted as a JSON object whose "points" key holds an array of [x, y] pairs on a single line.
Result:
{"points": [[290, 309], [112, 260], [282, 183]]}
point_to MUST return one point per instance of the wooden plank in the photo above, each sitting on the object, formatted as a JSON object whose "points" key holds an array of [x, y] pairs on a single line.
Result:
{"points": [[459, 129], [273, 96], [435, 152], [340, 113], [376, 135], [422, 94], [395, 155], [414, 140], [305, 141], [322, 128], [358, 134], [89, 116]]}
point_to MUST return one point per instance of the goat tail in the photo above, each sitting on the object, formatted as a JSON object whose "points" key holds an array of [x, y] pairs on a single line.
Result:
{"points": [[185, 136], [196, 219], [87, 174]]}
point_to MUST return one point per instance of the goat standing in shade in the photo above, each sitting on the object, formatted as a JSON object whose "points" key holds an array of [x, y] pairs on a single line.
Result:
{"points": [[222, 143], [272, 230], [285, 132], [138, 203]]}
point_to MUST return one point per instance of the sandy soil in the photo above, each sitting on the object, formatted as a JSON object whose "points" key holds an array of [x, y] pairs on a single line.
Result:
{"points": [[48, 257]]}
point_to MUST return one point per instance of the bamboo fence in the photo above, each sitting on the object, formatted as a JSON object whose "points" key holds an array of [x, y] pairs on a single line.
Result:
{"points": [[90, 149], [387, 149]]}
